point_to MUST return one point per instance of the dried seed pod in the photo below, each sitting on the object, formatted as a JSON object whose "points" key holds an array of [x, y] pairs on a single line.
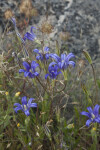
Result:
{"points": [[87, 56], [81, 63], [34, 12], [64, 36], [8, 14], [46, 27], [25, 6], [28, 13]]}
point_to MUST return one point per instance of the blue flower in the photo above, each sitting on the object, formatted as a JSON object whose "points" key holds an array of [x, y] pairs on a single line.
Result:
{"points": [[93, 115], [25, 107], [63, 61], [30, 35], [42, 55], [30, 69], [53, 72]]}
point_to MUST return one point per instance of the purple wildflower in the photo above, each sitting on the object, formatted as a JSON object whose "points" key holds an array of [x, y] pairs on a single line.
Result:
{"points": [[42, 55], [25, 107], [53, 72], [30, 35], [63, 61], [92, 114], [30, 69]]}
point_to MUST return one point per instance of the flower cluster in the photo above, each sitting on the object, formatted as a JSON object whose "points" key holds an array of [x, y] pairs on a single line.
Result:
{"points": [[54, 68], [92, 114], [30, 35], [52, 65], [53, 72], [30, 69], [25, 107], [42, 55], [63, 61]]}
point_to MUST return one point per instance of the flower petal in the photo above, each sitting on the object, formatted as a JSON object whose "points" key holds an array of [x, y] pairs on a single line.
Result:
{"points": [[33, 105], [24, 100], [26, 65], [17, 109], [36, 51], [46, 49], [88, 122], [27, 74], [69, 56], [97, 120], [85, 113], [55, 56], [47, 56], [21, 70], [38, 57], [63, 56], [61, 64], [27, 112], [29, 36], [52, 63], [59, 72], [71, 63], [90, 110], [34, 64], [35, 73], [46, 76], [30, 101], [96, 110], [31, 30], [18, 105]]}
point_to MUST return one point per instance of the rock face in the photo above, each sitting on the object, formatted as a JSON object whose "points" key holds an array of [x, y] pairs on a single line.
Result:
{"points": [[80, 18], [83, 24]]}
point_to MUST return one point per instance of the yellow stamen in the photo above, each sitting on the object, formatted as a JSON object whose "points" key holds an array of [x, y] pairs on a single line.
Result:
{"points": [[94, 129], [18, 124], [17, 94], [25, 107], [93, 116], [7, 93]]}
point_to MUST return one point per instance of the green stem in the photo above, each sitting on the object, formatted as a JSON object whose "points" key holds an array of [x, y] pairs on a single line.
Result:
{"points": [[42, 84], [95, 82]]}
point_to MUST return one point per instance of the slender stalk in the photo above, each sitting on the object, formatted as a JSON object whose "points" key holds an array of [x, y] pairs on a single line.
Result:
{"points": [[59, 91], [95, 82], [42, 84]]}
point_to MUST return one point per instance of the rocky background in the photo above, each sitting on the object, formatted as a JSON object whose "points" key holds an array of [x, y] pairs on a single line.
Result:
{"points": [[76, 23]]}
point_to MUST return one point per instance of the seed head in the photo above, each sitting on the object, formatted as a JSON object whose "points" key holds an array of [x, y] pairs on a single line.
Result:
{"points": [[81, 63], [34, 12], [46, 27], [26, 8], [8, 14], [64, 36]]}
